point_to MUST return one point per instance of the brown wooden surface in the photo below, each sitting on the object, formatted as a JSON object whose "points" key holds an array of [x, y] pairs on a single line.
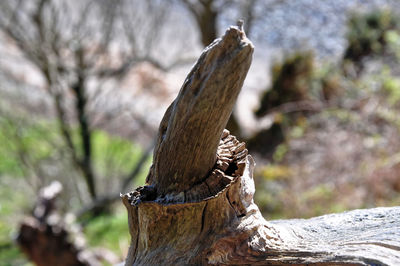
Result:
{"points": [[191, 128], [229, 229], [198, 208]]}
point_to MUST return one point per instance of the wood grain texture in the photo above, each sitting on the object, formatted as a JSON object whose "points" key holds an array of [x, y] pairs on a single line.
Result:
{"points": [[191, 128], [198, 207], [228, 229]]}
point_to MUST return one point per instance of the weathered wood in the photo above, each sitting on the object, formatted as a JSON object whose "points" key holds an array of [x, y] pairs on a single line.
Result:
{"points": [[229, 229], [206, 215], [191, 128], [369, 236]]}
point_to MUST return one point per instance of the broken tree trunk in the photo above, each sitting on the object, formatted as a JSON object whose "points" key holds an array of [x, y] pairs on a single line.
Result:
{"points": [[185, 152], [198, 205]]}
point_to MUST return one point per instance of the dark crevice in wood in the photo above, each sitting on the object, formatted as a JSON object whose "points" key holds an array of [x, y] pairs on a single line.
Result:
{"points": [[208, 187], [229, 166], [142, 194], [230, 204], [231, 169], [203, 215]]}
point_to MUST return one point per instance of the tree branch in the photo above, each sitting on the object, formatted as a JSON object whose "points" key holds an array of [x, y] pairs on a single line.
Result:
{"points": [[85, 162], [205, 15], [191, 128]]}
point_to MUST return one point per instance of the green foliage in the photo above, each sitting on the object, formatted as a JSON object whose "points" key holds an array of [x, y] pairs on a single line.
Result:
{"points": [[328, 83], [12, 204], [270, 180], [343, 116], [114, 156], [24, 144], [393, 39], [275, 172], [109, 231], [29, 148], [280, 152], [368, 34], [320, 196], [10, 255], [390, 87]]}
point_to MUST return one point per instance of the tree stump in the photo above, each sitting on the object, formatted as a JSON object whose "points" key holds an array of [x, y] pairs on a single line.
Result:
{"points": [[198, 205]]}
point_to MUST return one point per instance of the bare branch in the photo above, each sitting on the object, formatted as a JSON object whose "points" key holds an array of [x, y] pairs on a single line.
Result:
{"points": [[191, 128]]}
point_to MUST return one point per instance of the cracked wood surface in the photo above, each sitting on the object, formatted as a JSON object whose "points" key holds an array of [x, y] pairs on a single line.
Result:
{"points": [[191, 128], [198, 207], [229, 229]]}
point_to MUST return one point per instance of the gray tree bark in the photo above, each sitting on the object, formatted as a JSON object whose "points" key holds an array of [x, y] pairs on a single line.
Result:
{"points": [[198, 205]]}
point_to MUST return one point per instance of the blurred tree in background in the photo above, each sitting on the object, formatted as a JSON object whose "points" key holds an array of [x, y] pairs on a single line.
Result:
{"points": [[71, 45]]}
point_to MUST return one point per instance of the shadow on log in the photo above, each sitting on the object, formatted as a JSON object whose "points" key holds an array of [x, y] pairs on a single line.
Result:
{"points": [[198, 206]]}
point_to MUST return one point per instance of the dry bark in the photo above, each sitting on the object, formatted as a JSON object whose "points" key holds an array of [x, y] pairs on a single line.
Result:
{"points": [[190, 130], [198, 207]]}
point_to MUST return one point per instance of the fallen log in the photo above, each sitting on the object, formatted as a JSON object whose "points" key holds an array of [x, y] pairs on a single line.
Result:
{"points": [[198, 206]]}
